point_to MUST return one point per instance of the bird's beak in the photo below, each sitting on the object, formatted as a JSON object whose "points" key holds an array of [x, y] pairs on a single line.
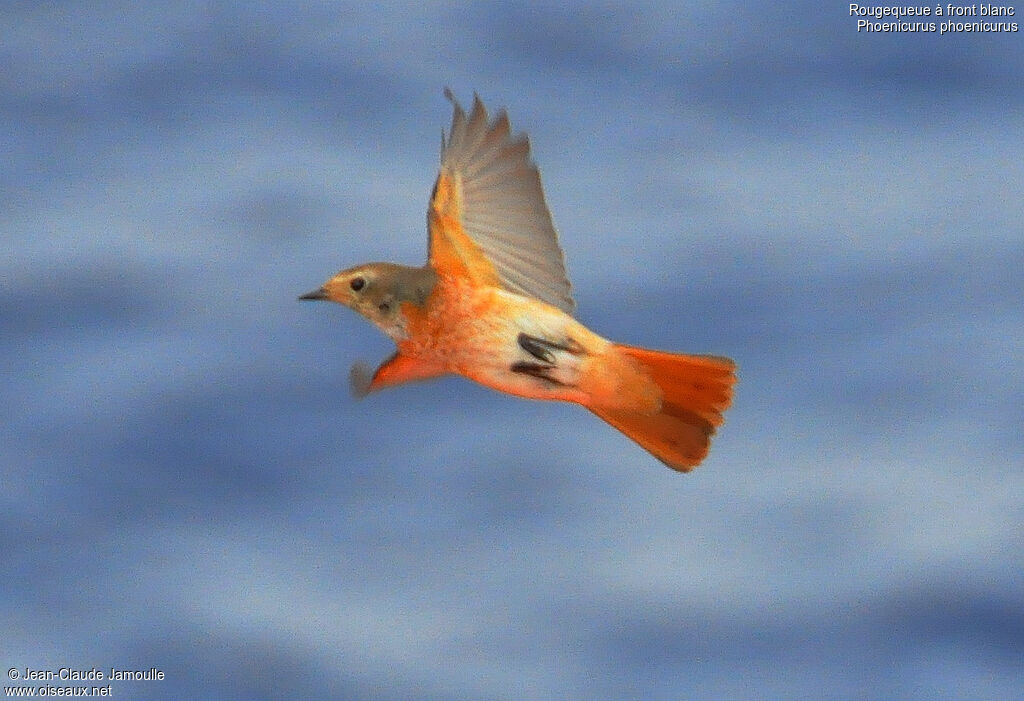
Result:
{"points": [[317, 294]]}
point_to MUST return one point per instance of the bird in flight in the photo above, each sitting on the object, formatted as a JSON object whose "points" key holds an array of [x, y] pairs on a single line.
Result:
{"points": [[493, 303]]}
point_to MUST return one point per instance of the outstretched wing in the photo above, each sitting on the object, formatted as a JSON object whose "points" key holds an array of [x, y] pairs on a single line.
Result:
{"points": [[487, 217]]}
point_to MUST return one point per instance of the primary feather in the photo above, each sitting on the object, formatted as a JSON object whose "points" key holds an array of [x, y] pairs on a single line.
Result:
{"points": [[501, 205]]}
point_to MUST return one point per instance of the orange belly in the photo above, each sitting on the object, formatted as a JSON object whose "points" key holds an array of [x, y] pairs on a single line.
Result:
{"points": [[476, 332]]}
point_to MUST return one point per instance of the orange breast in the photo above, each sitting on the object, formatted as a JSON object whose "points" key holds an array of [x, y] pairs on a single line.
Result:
{"points": [[459, 321]]}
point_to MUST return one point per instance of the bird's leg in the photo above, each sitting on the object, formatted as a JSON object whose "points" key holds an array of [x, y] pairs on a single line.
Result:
{"points": [[541, 349]]}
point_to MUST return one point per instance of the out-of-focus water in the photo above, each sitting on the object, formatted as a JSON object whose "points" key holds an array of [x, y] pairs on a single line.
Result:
{"points": [[187, 484]]}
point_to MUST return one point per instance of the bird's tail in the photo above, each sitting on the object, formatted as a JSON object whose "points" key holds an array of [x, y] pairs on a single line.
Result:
{"points": [[695, 390]]}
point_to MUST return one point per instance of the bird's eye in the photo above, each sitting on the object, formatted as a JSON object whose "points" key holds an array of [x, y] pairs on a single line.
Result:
{"points": [[357, 283]]}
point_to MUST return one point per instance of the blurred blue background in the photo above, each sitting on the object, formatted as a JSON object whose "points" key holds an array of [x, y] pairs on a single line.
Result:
{"points": [[188, 485]]}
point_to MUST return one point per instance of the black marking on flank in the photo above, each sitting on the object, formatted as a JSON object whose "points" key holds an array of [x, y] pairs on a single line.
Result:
{"points": [[536, 347], [535, 370], [540, 348]]}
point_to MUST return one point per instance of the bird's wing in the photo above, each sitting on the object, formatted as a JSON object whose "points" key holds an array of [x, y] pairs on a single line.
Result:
{"points": [[487, 217]]}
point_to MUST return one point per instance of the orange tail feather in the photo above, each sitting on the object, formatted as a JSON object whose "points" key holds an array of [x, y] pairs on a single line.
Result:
{"points": [[696, 389]]}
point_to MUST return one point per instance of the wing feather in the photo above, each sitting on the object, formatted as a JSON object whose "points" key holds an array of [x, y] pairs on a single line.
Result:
{"points": [[488, 215]]}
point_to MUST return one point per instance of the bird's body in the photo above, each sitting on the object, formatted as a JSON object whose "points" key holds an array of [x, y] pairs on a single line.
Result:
{"points": [[508, 342], [473, 331], [493, 304]]}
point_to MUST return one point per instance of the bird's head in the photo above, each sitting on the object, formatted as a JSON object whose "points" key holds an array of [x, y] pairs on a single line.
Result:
{"points": [[377, 291]]}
